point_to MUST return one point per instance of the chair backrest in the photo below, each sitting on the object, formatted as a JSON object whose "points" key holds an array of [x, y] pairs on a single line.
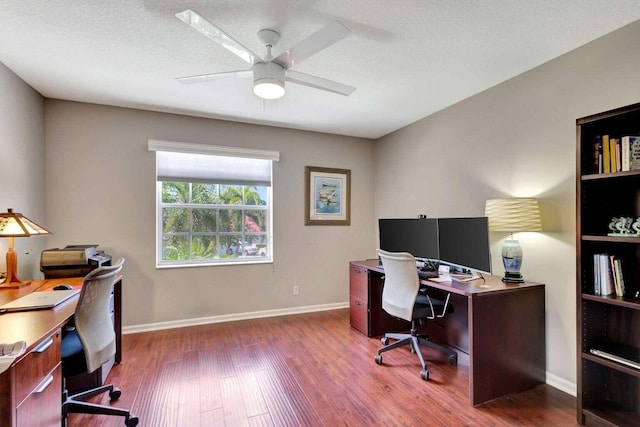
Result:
{"points": [[401, 283], [93, 316]]}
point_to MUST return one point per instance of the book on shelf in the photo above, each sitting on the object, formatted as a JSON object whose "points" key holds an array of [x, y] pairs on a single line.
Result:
{"points": [[634, 151], [606, 154], [620, 278], [614, 147], [625, 147], [608, 278], [597, 154]]}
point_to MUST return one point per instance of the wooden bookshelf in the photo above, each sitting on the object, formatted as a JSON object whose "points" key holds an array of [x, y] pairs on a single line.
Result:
{"points": [[608, 393]]}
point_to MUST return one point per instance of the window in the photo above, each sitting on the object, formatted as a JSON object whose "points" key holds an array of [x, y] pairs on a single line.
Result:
{"points": [[213, 204]]}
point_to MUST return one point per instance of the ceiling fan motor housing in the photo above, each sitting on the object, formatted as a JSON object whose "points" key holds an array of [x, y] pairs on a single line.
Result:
{"points": [[268, 80]]}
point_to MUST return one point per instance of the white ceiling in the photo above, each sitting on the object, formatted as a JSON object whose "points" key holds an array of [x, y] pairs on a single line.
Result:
{"points": [[407, 58]]}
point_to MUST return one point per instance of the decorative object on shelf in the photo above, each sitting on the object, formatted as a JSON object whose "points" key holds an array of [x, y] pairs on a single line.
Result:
{"points": [[513, 215], [624, 226], [13, 224], [327, 196]]}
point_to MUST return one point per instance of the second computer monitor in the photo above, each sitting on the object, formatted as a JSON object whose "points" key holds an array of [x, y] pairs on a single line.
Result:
{"points": [[464, 242]]}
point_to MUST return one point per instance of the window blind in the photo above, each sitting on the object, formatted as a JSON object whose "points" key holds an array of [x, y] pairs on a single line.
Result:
{"points": [[211, 164]]}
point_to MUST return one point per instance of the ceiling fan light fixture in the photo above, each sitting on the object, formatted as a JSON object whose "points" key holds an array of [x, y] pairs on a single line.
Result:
{"points": [[268, 88], [268, 80]]}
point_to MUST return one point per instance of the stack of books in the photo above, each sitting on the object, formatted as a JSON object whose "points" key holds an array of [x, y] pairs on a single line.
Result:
{"points": [[611, 154], [607, 275]]}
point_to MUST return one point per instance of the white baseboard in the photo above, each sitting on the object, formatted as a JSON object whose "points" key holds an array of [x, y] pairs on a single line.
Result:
{"points": [[147, 327], [562, 384]]}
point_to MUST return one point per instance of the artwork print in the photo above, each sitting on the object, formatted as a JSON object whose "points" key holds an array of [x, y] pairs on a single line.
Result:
{"points": [[327, 196]]}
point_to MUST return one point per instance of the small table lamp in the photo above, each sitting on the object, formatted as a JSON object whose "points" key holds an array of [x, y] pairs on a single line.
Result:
{"points": [[513, 215], [12, 225]]}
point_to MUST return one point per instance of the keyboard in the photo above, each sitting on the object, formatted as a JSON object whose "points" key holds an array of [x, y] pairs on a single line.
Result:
{"points": [[427, 274]]}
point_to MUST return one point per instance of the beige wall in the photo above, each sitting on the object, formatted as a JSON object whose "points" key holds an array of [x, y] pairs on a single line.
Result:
{"points": [[22, 170], [101, 185], [516, 139]]}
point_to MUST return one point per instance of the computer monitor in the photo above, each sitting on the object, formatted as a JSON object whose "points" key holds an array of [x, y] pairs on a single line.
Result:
{"points": [[464, 243], [418, 236]]}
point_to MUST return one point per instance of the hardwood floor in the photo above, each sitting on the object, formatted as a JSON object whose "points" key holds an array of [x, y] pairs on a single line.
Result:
{"points": [[303, 370]]}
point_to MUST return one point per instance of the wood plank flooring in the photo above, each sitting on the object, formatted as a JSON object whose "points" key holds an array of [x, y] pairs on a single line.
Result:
{"points": [[303, 370]]}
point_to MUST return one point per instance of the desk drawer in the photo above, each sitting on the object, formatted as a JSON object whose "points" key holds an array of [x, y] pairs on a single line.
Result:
{"points": [[359, 282], [42, 407], [359, 314], [36, 365]]}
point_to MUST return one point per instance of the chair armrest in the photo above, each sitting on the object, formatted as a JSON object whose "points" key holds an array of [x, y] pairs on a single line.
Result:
{"points": [[444, 307]]}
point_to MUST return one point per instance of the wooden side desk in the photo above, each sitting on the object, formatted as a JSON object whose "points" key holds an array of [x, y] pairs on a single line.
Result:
{"points": [[30, 389], [500, 326]]}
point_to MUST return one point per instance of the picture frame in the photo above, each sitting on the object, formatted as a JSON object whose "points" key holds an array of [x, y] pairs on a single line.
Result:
{"points": [[327, 196]]}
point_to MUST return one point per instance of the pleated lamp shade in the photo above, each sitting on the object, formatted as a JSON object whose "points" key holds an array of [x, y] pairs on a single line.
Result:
{"points": [[513, 215]]}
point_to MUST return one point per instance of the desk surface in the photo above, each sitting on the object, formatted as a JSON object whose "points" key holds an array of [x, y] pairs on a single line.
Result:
{"points": [[475, 288], [34, 325]]}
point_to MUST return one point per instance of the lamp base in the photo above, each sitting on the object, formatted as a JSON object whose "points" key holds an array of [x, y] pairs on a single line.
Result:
{"points": [[512, 277], [11, 281], [12, 285]]}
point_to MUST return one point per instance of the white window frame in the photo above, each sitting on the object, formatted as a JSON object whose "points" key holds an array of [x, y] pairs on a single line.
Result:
{"points": [[199, 149]]}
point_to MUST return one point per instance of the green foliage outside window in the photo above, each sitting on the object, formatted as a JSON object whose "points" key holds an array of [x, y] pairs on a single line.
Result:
{"points": [[208, 222]]}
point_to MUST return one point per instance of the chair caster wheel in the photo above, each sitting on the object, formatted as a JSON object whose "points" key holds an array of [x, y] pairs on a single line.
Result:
{"points": [[453, 360], [424, 374], [131, 422], [384, 340], [378, 359], [115, 394]]}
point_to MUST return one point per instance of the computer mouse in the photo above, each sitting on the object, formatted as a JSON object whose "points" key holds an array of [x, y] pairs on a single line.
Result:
{"points": [[62, 287]]}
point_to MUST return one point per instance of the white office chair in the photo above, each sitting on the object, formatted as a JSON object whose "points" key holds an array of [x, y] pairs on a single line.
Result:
{"points": [[91, 344], [401, 298]]}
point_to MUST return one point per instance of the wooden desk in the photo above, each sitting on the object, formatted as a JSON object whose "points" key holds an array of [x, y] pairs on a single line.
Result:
{"points": [[30, 389], [500, 326]]}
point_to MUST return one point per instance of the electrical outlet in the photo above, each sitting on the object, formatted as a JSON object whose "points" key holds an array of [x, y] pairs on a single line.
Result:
{"points": [[296, 290]]}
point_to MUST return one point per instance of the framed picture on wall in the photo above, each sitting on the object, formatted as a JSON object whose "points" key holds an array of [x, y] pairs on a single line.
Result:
{"points": [[327, 196]]}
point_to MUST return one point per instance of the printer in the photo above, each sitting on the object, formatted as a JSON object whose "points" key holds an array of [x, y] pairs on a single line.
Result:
{"points": [[72, 261]]}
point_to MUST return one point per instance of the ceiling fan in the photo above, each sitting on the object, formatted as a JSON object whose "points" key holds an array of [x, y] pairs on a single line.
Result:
{"points": [[269, 74]]}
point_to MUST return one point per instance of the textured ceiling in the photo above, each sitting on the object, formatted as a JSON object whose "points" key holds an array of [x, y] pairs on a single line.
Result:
{"points": [[407, 59]]}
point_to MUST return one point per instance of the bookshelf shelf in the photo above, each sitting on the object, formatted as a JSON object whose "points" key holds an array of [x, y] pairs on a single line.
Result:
{"points": [[612, 239], [608, 392], [629, 302], [611, 365], [610, 175], [609, 414]]}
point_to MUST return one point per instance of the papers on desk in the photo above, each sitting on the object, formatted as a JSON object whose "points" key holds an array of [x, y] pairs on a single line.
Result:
{"points": [[9, 352], [441, 279]]}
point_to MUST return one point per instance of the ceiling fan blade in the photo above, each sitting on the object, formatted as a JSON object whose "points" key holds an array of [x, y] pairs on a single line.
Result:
{"points": [[319, 83], [321, 39], [205, 27], [215, 76]]}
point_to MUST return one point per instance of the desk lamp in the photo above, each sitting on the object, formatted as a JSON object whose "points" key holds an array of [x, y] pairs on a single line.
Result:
{"points": [[13, 224], [513, 215]]}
